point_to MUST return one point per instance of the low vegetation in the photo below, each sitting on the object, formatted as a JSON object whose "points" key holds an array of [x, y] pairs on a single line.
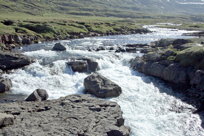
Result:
{"points": [[63, 27], [193, 56]]}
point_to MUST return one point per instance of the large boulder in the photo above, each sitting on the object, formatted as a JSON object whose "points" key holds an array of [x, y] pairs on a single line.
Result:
{"points": [[74, 115], [59, 47], [38, 95], [83, 65], [9, 60], [5, 85], [6, 120], [100, 86]]}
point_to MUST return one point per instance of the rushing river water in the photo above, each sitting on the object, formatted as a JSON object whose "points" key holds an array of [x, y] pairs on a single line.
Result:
{"points": [[148, 105]]}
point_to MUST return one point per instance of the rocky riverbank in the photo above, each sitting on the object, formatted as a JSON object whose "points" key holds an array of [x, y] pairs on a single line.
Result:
{"points": [[29, 32], [178, 62], [77, 115], [72, 115]]}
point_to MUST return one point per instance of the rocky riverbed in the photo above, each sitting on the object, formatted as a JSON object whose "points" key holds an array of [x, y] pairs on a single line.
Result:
{"points": [[149, 107]]}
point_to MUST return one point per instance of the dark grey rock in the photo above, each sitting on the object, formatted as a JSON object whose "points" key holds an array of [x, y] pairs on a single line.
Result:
{"points": [[170, 72], [17, 39], [58, 47], [83, 65], [26, 40], [137, 45], [5, 85], [120, 49], [137, 64], [9, 60], [168, 53], [92, 65], [152, 57], [100, 86], [131, 49], [175, 74], [198, 80], [163, 43], [115, 133], [70, 116], [157, 69], [38, 95], [100, 48], [178, 42], [6, 120], [78, 66]]}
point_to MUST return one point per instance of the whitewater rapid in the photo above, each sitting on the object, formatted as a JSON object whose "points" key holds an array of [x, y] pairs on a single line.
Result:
{"points": [[149, 107]]}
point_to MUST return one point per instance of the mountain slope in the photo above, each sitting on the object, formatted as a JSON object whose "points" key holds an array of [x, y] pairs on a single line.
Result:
{"points": [[119, 8]]}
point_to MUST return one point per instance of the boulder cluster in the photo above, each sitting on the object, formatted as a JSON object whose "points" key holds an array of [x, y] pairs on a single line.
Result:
{"points": [[80, 115]]}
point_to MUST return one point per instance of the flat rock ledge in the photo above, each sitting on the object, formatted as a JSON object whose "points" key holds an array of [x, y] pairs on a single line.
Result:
{"points": [[74, 115]]}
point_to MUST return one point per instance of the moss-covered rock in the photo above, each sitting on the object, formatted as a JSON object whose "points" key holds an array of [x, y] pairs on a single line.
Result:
{"points": [[193, 56]]}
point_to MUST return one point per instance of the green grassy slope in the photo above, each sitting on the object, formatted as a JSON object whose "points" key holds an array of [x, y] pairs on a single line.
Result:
{"points": [[74, 7], [62, 18], [117, 8]]}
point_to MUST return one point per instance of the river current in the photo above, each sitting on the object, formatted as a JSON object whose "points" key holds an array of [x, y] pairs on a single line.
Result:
{"points": [[148, 105]]}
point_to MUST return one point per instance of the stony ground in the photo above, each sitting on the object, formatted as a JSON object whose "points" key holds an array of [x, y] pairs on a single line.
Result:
{"points": [[75, 115]]}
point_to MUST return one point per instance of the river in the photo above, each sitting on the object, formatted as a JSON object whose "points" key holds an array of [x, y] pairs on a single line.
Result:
{"points": [[149, 106]]}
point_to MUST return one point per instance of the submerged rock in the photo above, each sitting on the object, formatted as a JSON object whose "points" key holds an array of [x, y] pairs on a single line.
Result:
{"points": [[59, 47], [38, 95], [6, 120], [77, 115], [102, 87], [5, 85], [9, 60]]}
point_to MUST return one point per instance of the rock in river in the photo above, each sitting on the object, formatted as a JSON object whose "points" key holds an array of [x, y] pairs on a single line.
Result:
{"points": [[38, 95], [75, 115], [100, 86], [83, 65], [9, 60], [58, 47]]}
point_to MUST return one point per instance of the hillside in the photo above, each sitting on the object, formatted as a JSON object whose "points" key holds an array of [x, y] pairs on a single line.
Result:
{"points": [[41, 20], [118, 8]]}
